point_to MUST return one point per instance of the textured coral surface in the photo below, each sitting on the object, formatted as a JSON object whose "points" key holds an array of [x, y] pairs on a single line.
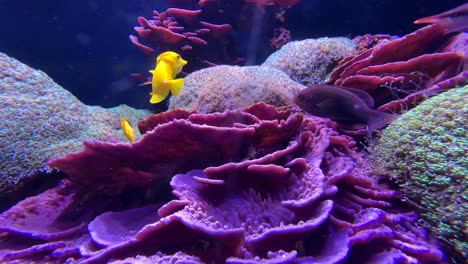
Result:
{"points": [[290, 189], [41, 120], [426, 152], [225, 87], [309, 61]]}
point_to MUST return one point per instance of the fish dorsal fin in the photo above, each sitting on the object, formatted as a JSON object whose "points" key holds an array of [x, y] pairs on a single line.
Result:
{"points": [[361, 94], [145, 83]]}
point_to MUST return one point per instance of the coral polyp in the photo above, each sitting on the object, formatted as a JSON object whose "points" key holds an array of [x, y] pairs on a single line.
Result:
{"points": [[425, 152]]}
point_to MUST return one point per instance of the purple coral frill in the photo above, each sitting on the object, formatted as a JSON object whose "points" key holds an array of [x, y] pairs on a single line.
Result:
{"points": [[260, 185]]}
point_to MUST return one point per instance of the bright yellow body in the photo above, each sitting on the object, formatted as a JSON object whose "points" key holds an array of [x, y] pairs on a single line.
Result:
{"points": [[168, 65], [127, 130]]}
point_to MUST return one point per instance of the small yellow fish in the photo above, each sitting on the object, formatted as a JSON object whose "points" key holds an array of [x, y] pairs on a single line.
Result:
{"points": [[127, 130], [168, 65]]}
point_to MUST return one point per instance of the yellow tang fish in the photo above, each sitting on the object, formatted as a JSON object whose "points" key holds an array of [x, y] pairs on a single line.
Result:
{"points": [[127, 130], [168, 65]]}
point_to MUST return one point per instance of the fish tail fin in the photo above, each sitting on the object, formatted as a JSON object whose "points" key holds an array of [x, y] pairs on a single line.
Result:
{"points": [[175, 86], [379, 120], [159, 96]]}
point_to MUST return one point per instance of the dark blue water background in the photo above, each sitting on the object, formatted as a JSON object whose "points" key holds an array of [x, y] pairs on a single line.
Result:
{"points": [[83, 45]]}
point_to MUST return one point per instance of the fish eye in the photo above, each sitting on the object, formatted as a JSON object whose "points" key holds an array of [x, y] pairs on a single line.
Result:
{"points": [[178, 56]]}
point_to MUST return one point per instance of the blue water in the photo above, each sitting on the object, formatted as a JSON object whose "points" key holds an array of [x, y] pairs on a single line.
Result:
{"points": [[84, 46]]}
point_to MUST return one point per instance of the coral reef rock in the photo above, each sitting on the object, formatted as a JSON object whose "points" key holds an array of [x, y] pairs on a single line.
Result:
{"points": [[310, 61], [426, 152], [225, 87], [41, 120], [259, 185]]}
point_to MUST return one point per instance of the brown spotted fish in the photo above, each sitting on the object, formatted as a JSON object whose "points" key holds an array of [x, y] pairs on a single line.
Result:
{"points": [[343, 105]]}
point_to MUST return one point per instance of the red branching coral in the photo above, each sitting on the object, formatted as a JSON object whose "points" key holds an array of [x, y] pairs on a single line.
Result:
{"points": [[281, 37], [261, 3], [369, 41], [201, 32], [182, 30], [402, 72]]}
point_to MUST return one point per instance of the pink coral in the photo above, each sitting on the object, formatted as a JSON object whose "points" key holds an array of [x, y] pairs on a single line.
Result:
{"points": [[179, 30], [289, 189], [183, 31], [402, 72], [169, 148]]}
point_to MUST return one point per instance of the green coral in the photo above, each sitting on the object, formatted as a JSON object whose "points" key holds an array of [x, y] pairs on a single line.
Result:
{"points": [[425, 152], [223, 87], [41, 120], [309, 62]]}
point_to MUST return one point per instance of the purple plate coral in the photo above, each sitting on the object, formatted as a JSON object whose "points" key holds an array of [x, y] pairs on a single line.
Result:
{"points": [[253, 185]]}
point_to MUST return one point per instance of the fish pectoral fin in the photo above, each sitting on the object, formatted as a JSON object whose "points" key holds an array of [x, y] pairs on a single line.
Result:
{"points": [[145, 83], [378, 119], [175, 86], [326, 105]]}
